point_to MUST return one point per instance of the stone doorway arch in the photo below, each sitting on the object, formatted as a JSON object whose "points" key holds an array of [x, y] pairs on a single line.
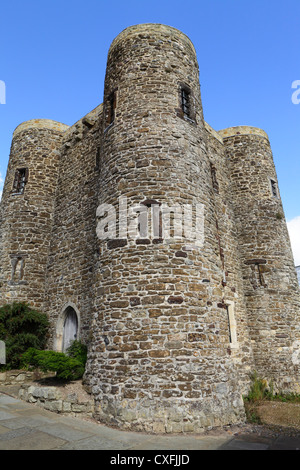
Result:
{"points": [[68, 327], [70, 332]]}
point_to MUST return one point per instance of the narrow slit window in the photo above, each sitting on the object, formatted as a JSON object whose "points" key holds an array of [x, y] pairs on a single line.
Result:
{"points": [[274, 188], [110, 108], [97, 166], [20, 180], [214, 178]]}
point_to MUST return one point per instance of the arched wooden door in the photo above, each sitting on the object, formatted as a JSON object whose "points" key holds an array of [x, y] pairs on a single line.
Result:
{"points": [[70, 331]]}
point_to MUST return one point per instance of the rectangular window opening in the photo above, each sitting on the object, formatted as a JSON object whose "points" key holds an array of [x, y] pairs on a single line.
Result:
{"points": [[21, 178], [110, 108], [274, 188], [186, 102], [97, 165]]}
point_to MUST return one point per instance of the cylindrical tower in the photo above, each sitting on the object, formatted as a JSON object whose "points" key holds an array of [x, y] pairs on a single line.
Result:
{"points": [[159, 358], [27, 210], [270, 281]]}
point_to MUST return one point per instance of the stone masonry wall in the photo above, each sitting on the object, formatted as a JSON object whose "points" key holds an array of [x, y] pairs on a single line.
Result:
{"points": [[159, 356], [73, 252], [174, 323], [231, 290], [270, 282], [27, 217]]}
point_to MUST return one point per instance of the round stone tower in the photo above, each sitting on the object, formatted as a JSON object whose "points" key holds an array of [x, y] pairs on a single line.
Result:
{"points": [[270, 281], [159, 358], [27, 210]]}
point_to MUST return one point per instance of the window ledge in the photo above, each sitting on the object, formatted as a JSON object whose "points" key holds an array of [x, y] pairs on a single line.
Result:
{"points": [[188, 119], [108, 127]]}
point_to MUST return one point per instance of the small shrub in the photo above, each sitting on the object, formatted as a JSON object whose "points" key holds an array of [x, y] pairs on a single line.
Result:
{"points": [[258, 390], [78, 351], [21, 327], [66, 367]]}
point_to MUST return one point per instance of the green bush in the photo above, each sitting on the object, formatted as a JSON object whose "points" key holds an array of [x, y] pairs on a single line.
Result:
{"points": [[21, 327], [67, 367], [78, 351], [258, 389]]}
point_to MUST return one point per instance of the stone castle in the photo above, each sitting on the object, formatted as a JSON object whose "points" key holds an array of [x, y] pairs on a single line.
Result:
{"points": [[174, 328]]}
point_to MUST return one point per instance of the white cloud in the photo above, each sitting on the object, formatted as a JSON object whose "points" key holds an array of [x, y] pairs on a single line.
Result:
{"points": [[294, 231]]}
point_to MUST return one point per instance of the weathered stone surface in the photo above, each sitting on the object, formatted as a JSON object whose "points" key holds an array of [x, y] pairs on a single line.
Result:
{"points": [[52, 399], [173, 328]]}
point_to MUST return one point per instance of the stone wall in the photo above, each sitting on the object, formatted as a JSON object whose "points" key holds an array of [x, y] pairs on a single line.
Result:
{"points": [[174, 323], [16, 377], [160, 356], [270, 282], [57, 399], [73, 251], [27, 215], [231, 290]]}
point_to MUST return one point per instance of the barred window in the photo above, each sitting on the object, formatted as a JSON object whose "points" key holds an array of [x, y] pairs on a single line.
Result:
{"points": [[186, 108], [21, 178], [186, 102]]}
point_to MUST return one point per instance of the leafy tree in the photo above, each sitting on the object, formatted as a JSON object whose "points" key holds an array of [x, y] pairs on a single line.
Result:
{"points": [[21, 327]]}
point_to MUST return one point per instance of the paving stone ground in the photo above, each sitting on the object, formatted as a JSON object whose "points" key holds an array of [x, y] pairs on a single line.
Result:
{"points": [[24, 426]]}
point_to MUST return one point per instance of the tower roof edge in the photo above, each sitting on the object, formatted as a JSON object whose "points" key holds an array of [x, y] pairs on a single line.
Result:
{"points": [[148, 28], [242, 130], [40, 124]]}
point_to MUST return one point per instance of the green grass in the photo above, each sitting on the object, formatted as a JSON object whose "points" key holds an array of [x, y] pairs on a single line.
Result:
{"points": [[260, 390]]}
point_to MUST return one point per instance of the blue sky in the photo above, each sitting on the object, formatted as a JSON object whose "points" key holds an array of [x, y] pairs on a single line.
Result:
{"points": [[53, 59]]}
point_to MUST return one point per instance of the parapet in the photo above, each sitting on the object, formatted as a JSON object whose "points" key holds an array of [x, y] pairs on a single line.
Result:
{"points": [[40, 124], [242, 130], [88, 120], [147, 28]]}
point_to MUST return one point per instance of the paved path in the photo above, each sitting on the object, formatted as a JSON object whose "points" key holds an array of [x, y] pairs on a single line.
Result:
{"points": [[25, 426]]}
